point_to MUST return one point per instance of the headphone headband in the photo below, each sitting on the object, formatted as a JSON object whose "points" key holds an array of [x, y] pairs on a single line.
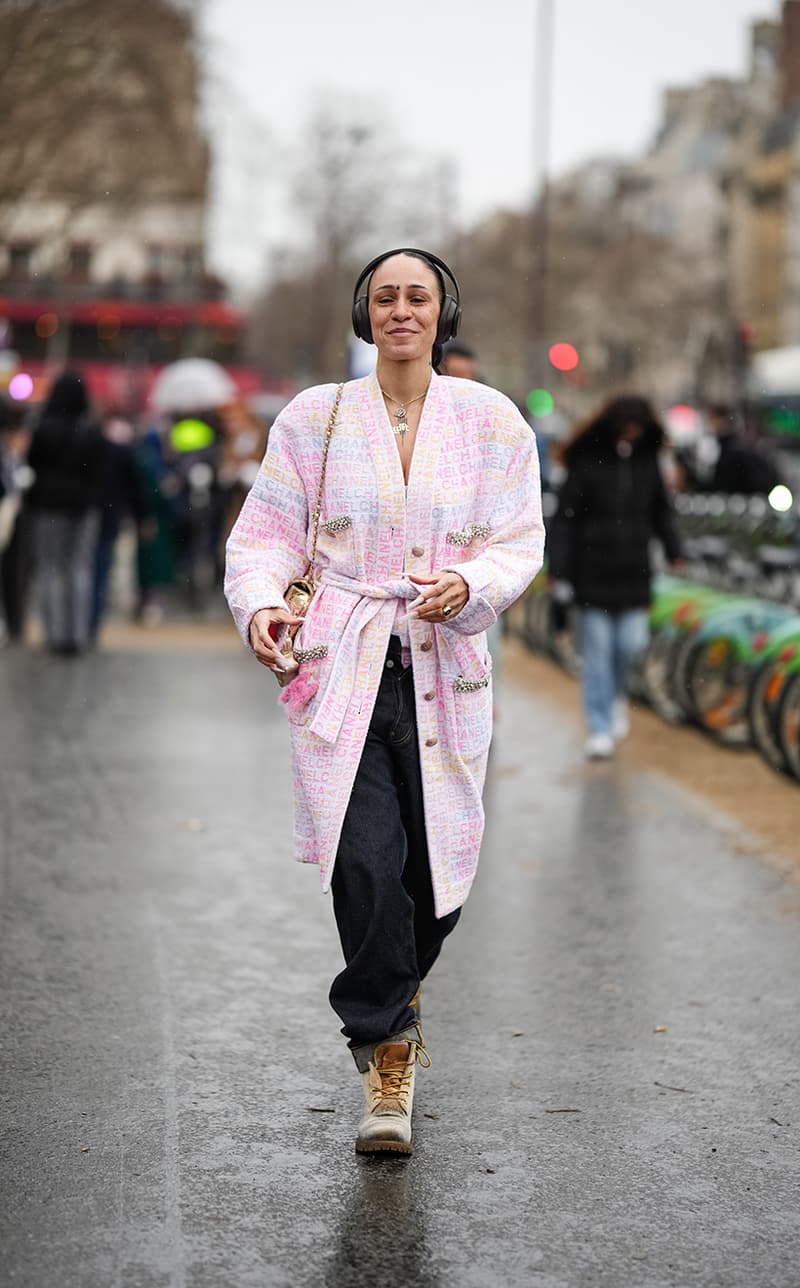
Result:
{"points": [[449, 315]]}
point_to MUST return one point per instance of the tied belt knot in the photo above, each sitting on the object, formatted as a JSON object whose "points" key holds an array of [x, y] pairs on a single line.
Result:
{"points": [[397, 588], [375, 599]]}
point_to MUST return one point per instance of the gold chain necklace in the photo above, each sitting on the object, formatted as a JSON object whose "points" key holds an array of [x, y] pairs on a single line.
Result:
{"points": [[400, 415]]}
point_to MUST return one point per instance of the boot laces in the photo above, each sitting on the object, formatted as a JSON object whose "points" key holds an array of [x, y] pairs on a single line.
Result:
{"points": [[396, 1078], [395, 1082], [421, 1051]]}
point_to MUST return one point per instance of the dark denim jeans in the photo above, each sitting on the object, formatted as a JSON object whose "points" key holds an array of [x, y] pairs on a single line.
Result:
{"points": [[382, 892]]}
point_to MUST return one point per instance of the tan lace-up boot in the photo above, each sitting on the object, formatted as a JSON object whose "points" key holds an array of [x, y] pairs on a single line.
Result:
{"points": [[389, 1097]]}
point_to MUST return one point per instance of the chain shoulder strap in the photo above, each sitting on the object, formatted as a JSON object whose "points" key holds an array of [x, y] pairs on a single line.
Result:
{"points": [[321, 485]]}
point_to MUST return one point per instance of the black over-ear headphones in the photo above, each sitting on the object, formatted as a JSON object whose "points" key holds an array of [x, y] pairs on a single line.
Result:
{"points": [[449, 314]]}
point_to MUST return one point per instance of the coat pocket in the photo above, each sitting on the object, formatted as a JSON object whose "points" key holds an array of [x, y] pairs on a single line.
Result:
{"points": [[471, 699], [465, 536], [336, 545]]}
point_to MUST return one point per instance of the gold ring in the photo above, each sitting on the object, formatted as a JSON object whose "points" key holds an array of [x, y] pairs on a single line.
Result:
{"points": [[447, 610]]}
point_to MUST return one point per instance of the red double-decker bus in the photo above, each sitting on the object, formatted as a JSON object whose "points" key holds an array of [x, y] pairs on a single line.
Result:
{"points": [[120, 339]]}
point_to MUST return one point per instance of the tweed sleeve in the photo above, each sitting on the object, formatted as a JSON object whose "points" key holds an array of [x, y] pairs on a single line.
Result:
{"points": [[514, 550], [267, 545]]}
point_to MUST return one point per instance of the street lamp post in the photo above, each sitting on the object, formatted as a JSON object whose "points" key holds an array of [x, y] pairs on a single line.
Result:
{"points": [[540, 213]]}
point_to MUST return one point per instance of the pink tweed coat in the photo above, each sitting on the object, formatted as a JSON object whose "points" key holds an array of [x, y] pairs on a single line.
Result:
{"points": [[473, 503]]}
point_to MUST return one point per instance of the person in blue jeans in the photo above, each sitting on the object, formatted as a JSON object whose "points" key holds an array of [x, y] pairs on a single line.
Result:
{"points": [[612, 504]]}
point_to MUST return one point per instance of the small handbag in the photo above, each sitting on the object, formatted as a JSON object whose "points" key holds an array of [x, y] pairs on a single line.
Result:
{"points": [[299, 593]]}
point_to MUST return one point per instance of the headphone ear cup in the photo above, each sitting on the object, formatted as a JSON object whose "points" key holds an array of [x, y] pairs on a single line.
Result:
{"points": [[455, 320], [361, 322], [449, 319]]}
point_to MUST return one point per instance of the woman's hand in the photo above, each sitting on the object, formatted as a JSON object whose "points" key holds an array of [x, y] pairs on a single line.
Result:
{"points": [[445, 594], [263, 628]]}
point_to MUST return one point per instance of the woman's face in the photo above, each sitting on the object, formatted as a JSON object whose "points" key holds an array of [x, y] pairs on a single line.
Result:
{"points": [[404, 308]]}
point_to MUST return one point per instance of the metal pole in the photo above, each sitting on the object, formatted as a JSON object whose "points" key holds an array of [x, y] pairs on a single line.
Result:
{"points": [[540, 215]]}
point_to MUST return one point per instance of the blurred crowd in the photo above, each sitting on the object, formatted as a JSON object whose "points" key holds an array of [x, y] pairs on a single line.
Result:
{"points": [[73, 478]]}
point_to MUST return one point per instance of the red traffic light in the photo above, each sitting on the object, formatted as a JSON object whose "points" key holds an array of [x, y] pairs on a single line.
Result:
{"points": [[564, 357]]}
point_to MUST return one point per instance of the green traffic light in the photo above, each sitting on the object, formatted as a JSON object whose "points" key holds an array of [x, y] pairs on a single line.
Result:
{"points": [[540, 402]]}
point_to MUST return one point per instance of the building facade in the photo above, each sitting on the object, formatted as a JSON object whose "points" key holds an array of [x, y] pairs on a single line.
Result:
{"points": [[103, 210]]}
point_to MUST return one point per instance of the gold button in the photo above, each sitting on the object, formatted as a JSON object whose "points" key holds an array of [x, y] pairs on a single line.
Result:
{"points": [[430, 696], [431, 742], [417, 551], [426, 646]]}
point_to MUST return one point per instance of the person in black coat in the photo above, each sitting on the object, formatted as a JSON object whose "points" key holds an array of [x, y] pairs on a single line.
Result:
{"points": [[66, 457], [613, 502], [739, 468]]}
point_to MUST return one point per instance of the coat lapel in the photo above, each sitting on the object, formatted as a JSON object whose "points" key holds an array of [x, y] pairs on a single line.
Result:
{"points": [[389, 476], [435, 429]]}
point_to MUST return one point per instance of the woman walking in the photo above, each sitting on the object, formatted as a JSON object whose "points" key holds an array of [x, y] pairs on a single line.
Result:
{"points": [[66, 457], [613, 502], [429, 526]]}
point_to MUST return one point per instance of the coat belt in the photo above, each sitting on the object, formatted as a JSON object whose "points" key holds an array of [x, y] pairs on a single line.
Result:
{"points": [[397, 588], [374, 601]]}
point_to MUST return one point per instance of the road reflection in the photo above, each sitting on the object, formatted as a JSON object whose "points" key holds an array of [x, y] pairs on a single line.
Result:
{"points": [[382, 1236]]}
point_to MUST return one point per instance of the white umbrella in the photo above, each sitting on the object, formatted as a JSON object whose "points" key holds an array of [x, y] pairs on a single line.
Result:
{"points": [[193, 384]]}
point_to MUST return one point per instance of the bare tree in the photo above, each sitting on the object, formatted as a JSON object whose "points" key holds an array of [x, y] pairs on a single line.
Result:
{"points": [[622, 296], [354, 192], [89, 105], [98, 100]]}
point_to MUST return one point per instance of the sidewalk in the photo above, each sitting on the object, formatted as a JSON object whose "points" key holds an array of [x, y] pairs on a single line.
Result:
{"points": [[614, 1093]]}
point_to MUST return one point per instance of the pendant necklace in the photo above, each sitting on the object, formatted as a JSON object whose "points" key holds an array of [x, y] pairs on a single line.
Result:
{"points": [[401, 416]]}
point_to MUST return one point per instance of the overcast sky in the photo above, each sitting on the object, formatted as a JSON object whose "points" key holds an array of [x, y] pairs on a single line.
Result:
{"points": [[455, 79]]}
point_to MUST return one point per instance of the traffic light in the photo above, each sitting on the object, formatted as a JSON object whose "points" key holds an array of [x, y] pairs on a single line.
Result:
{"points": [[564, 357], [540, 402]]}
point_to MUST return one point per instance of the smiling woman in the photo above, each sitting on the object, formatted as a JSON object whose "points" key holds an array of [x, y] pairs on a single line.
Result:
{"points": [[409, 320], [390, 700]]}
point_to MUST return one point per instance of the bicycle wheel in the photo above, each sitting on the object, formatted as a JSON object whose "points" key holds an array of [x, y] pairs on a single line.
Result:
{"points": [[787, 723], [656, 672], [766, 686], [716, 682], [678, 675]]}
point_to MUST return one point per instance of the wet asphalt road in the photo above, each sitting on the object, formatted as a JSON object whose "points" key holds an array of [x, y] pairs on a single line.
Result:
{"points": [[179, 1109]]}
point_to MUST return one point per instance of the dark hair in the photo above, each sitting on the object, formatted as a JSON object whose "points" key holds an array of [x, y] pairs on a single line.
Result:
{"points": [[67, 397], [599, 435], [436, 355], [459, 348]]}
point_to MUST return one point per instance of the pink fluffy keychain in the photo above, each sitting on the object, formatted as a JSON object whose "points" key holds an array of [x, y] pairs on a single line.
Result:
{"points": [[299, 692]]}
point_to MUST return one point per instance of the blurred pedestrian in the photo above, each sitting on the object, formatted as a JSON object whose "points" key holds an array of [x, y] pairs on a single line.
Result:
{"points": [[459, 359], [244, 442], [612, 503], [66, 458], [430, 525], [120, 496], [155, 552], [15, 442], [193, 451], [740, 468]]}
